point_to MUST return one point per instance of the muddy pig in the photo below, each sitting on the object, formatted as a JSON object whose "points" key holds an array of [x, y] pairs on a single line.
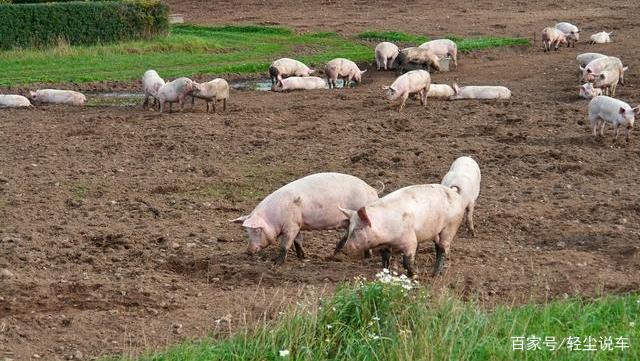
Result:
{"points": [[480, 92], [443, 48], [299, 83], [386, 54], [286, 67], [440, 91], [55, 96], [416, 55], [596, 66], [401, 220], [309, 203], [151, 83], [570, 31], [13, 101], [601, 38], [212, 92], [552, 37], [345, 69], [175, 91], [415, 81]]}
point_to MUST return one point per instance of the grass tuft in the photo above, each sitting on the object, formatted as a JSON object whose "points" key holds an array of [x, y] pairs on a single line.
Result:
{"points": [[392, 36]]}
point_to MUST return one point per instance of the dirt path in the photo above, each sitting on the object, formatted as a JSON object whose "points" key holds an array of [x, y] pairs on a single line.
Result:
{"points": [[113, 221]]}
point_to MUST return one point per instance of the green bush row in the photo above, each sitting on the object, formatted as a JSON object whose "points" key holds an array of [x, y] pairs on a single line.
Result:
{"points": [[80, 23]]}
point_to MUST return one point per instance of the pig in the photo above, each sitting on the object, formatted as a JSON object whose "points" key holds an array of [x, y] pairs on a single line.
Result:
{"points": [[386, 54], [607, 80], [443, 48], [587, 91], [309, 203], [56, 96], [212, 92], [13, 101], [464, 176], [175, 91], [286, 67], [601, 38], [585, 58], [418, 56], [403, 219], [151, 83], [552, 37], [345, 69], [440, 91], [480, 92], [570, 31], [596, 66], [603, 109], [415, 81], [299, 83]]}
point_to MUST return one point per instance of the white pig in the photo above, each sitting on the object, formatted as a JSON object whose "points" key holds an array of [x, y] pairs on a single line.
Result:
{"points": [[345, 69], [419, 56], [552, 37], [175, 91], [286, 67], [13, 101], [405, 218], [603, 109], [212, 92], [587, 91], [411, 82], [440, 91], [299, 83], [309, 203], [151, 83], [570, 31], [443, 48], [56, 96], [386, 54], [598, 65], [464, 176], [601, 38], [585, 58], [480, 92], [607, 80]]}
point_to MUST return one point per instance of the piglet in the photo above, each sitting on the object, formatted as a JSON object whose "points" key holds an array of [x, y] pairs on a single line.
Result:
{"points": [[480, 92], [386, 54], [464, 176], [552, 37], [56, 96], [587, 91], [13, 101], [400, 221], [415, 81], [345, 69], [286, 67], [310, 203], [603, 109], [175, 91], [440, 91], [299, 83], [443, 48], [601, 38], [214, 91], [151, 83]]}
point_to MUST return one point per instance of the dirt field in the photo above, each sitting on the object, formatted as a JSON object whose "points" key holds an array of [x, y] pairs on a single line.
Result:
{"points": [[113, 221]]}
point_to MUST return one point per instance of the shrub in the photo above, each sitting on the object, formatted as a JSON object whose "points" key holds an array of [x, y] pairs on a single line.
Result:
{"points": [[80, 23]]}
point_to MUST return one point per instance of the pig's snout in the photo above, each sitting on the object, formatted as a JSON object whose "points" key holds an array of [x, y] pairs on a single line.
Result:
{"points": [[253, 249], [351, 248]]}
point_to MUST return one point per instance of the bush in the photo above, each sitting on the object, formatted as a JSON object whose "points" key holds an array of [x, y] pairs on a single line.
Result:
{"points": [[80, 23]]}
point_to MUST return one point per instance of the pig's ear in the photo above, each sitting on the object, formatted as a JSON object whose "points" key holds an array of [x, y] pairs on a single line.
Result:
{"points": [[622, 110], [347, 212], [625, 68], [363, 71], [364, 218], [239, 219], [636, 110], [581, 67]]}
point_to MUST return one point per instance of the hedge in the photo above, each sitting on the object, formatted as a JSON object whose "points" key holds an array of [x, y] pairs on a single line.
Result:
{"points": [[80, 23]]}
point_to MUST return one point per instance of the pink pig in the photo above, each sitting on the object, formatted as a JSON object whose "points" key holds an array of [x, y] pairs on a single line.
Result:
{"points": [[415, 81], [309, 203], [464, 175], [443, 48]]}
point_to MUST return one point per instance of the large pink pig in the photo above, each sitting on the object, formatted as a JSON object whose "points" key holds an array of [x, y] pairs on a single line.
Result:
{"points": [[401, 220], [598, 65], [174, 91], [309, 203], [464, 175], [443, 48], [411, 82]]}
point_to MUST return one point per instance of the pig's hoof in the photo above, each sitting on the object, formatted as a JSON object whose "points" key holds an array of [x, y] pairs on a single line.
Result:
{"points": [[279, 261]]}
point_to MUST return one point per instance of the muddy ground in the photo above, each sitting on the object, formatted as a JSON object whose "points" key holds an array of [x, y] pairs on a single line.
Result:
{"points": [[113, 220]]}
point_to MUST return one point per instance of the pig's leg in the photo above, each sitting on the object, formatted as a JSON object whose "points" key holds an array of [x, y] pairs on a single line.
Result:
{"points": [[286, 241], [170, 107], [181, 102], [193, 102], [145, 105], [385, 255], [602, 124], [443, 242], [616, 127], [224, 104], [213, 105], [297, 242], [341, 243], [407, 262], [470, 218], [627, 130], [404, 100], [367, 254], [409, 248]]}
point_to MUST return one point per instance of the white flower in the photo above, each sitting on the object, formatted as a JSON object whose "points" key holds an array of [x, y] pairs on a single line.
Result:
{"points": [[375, 318], [284, 353], [632, 324], [329, 327]]}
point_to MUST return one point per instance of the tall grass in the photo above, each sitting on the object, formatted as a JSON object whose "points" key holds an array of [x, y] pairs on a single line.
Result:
{"points": [[382, 320]]}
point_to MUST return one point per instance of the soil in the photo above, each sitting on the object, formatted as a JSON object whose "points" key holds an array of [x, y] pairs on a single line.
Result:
{"points": [[114, 221]]}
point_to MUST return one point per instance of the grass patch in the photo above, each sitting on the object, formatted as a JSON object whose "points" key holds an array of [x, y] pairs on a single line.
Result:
{"points": [[191, 50], [384, 321], [392, 36]]}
